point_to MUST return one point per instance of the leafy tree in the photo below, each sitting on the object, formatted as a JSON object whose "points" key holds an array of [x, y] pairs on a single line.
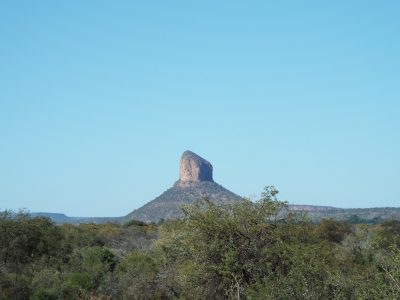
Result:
{"points": [[222, 245], [332, 231], [137, 275], [25, 242], [388, 234]]}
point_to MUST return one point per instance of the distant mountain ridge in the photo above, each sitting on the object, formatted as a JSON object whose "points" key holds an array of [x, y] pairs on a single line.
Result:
{"points": [[304, 208], [314, 213], [59, 218], [367, 215]]}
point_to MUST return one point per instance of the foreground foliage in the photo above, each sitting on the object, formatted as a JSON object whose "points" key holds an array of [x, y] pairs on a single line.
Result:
{"points": [[244, 250]]}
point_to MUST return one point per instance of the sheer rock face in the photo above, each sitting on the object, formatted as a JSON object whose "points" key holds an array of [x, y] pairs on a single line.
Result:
{"points": [[194, 169]]}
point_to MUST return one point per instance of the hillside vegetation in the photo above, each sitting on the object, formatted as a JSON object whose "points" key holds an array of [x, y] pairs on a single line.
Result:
{"points": [[167, 205], [237, 250]]}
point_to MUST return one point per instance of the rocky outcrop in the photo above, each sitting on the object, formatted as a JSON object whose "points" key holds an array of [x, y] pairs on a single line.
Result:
{"points": [[194, 168], [195, 182]]}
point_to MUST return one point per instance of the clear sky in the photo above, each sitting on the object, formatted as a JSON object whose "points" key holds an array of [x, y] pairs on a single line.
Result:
{"points": [[98, 100]]}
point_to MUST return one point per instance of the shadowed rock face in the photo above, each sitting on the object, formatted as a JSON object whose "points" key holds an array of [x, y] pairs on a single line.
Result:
{"points": [[194, 168]]}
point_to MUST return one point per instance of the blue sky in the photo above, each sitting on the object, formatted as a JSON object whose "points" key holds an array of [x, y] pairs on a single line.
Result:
{"points": [[98, 99]]}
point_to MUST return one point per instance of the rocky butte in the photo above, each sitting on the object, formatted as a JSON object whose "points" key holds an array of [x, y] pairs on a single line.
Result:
{"points": [[195, 182], [193, 169]]}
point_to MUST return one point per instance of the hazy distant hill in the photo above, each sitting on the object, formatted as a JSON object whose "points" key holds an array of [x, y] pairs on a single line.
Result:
{"points": [[59, 218], [149, 211], [372, 215]]}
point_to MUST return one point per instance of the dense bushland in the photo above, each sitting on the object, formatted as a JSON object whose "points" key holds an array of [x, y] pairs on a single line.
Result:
{"points": [[244, 250]]}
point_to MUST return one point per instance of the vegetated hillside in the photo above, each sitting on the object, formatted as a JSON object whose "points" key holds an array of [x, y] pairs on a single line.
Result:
{"points": [[167, 205], [195, 182]]}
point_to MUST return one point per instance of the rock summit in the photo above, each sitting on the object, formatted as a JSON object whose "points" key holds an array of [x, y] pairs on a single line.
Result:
{"points": [[194, 168]]}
